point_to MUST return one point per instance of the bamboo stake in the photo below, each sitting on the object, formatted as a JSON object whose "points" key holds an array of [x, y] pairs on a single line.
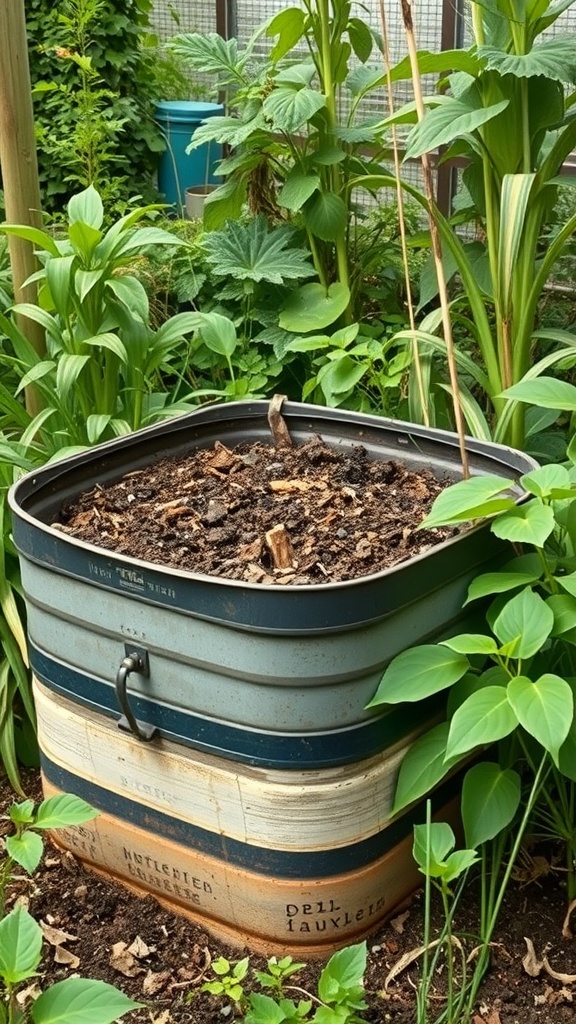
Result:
{"points": [[401, 221], [19, 165], [435, 237]]}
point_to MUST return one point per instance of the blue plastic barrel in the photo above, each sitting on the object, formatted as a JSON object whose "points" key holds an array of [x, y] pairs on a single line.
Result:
{"points": [[179, 170]]}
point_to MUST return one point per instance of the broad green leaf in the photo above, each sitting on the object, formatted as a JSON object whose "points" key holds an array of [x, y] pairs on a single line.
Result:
{"points": [[447, 122], [40, 239], [459, 862], [231, 131], [87, 207], [22, 813], [545, 480], [141, 238], [470, 683], [548, 392], [434, 63], [476, 497], [531, 523], [338, 378], [265, 1010], [312, 307], [178, 326], [62, 811], [297, 188], [544, 708], [525, 623], [224, 204], [67, 373], [490, 799], [59, 277], [211, 54], [499, 583], [80, 1001], [553, 58], [20, 946], [289, 107], [564, 610], [360, 38], [26, 850], [38, 372], [344, 970], [297, 74], [84, 238], [327, 155], [432, 845], [219, 334], [423, 766], [111, 342], [326, 216], [288, 25], [418, 673], [568, 583], [567, 755], [132, 294], [86, 280], [96, 425], [255, 252], [486, 716], [41, 316], [471, 643]]}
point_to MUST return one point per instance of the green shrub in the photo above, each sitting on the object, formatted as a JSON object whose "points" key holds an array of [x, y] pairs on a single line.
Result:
{"points": [[94, 87]]}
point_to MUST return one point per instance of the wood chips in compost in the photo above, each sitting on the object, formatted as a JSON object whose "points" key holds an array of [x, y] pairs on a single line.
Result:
{"points": [[306, 514]]}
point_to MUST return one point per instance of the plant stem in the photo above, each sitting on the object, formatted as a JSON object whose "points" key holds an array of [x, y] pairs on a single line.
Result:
{"points": [[482, 963]]}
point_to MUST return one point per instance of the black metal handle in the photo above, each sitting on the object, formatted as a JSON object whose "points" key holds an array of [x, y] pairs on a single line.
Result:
{"points": [[136, 660]]}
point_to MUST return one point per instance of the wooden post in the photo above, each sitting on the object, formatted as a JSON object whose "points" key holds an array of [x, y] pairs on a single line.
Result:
{"points": [[18, 161]]}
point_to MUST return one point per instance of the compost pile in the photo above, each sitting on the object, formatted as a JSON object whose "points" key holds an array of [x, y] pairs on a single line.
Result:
{"points": [[304, 514]]}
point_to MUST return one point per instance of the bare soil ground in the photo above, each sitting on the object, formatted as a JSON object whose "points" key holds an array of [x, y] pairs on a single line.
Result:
{"points": [[99, 929]]}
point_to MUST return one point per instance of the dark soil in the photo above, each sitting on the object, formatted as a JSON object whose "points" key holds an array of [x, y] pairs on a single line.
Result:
{"points": [[298, 515], [101, 930]]}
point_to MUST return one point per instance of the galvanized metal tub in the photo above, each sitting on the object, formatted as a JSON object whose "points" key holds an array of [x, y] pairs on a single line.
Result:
{"points": [[275, 676], [301, 861]]}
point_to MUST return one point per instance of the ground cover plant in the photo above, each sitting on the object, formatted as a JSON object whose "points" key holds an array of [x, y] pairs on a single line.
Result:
{"points": [[21, 937], [93, 926]]}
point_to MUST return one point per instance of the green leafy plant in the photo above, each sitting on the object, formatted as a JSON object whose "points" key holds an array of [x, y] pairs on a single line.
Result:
{"points": [[442, 866], [511, 685], [103, 357], [100, 377], [278, 972], [294, 147], [94, 85], [74, 1000], [228, 983], [26, 846], [506, 107], [340, 990], [357, 367]]}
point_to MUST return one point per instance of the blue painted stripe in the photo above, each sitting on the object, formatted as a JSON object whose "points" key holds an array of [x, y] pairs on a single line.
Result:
{"points": [[255, 747], [275, 863]]}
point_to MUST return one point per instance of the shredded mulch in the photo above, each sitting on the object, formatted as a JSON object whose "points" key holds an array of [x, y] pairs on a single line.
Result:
{"points": [[289, 515]]}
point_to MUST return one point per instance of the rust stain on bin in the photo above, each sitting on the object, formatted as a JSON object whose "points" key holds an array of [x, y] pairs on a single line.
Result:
{"points": [[269, 915]]}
